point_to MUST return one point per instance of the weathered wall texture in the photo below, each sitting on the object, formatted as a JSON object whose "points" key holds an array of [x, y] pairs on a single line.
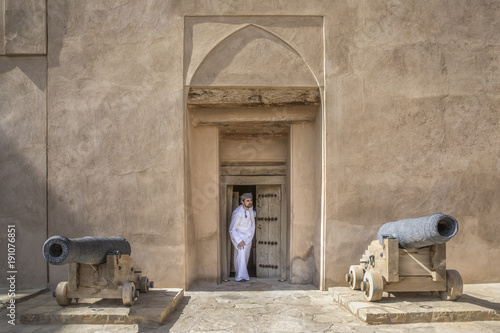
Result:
{"points": [[203, 207], [253, 51], [415, 129], [23, 138], [257, 150], [23, 27], [22, 166], [408, 126], [304, 202], [116, 129]]}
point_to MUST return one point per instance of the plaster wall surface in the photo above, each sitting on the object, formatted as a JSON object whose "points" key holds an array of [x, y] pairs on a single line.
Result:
{"points": [[259, 150], [116, 130], [253, 51], [411, 106], [203, 206], [413, 128], [304, 203], [318, 217], [23, 168], [2, 27], [190, 271], [23, 27]]}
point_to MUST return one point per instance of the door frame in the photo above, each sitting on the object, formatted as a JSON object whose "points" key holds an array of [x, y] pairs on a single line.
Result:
{"points": [[226, 190]]}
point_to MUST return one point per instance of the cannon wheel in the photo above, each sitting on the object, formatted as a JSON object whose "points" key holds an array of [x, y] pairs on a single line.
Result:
{"points": [[128, 293], [454, 286], [144, 284], [355, 276], [62, 294], [373, 286]]}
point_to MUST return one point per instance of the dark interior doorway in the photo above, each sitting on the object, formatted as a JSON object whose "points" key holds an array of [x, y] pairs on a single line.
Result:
{"points": [[252, 262]]}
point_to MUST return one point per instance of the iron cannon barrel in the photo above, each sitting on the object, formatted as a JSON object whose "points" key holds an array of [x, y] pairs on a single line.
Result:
{"points": [[59, 250], [414, 233]]}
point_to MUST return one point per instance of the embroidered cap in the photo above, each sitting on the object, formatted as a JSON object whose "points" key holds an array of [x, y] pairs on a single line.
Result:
{"points": [[245, 196]]}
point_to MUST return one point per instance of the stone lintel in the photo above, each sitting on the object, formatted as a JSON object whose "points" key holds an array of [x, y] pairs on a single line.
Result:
{"points": [[252, 97], [254, 118], [253, 170]]}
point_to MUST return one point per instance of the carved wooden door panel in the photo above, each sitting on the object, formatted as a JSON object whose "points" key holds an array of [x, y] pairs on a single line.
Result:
{"points": [[268, 230]]}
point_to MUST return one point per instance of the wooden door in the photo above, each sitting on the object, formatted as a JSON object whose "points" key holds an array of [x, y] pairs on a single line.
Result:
{"points": [[233, 199], [268, 230]]}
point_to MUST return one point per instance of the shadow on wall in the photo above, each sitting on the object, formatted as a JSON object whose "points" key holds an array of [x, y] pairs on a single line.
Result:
{"points": [[56, 29], [23, 205], [23, 158], [24, 195], [303, 269]]}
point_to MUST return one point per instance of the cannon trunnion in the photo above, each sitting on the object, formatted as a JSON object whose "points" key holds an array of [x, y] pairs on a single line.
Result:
{"points": [[99, 267], [418, 266]]}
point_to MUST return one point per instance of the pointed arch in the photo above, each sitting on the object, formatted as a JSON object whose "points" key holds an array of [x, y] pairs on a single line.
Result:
{"points": [[253, 56]]}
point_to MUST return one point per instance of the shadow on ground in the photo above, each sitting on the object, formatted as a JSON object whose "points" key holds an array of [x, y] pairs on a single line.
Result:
{"points": [[255, 284]]}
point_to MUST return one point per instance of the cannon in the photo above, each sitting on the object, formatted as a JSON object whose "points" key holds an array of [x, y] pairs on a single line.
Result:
{"points": [[419, 232], [98, 267], [408, 256], [59, 250]]}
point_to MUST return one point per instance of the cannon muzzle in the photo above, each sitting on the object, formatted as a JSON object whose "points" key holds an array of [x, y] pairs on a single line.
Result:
{"points": [[418, 232], [59, 250]]}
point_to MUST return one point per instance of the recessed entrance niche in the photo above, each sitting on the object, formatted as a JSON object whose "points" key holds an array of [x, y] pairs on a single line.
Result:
{"points": [[252, 262], [254, 122], [256, 164], [268, 255]]}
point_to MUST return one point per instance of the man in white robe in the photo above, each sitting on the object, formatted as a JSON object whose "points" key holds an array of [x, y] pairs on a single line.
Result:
{"points": [[242, 230]]}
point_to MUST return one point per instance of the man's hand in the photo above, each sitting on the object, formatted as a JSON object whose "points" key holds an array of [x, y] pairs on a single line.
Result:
{"points": [[241, 245]]}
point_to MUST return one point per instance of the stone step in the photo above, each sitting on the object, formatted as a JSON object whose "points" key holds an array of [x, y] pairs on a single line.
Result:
{"points": [[150, 308], [415, 307]]}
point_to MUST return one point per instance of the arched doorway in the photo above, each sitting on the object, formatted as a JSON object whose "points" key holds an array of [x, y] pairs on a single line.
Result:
{"points": [[254, 119]]}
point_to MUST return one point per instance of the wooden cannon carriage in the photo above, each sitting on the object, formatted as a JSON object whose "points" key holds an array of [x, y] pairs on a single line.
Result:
{"points": [[397, 261], [99, 267]]}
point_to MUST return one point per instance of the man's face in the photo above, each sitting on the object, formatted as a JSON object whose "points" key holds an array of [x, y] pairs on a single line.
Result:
{"points": [[248, 202]]}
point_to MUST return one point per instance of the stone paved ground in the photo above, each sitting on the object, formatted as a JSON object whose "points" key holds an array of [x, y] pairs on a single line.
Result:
{"points": [[264, 308], [260, 306]]}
